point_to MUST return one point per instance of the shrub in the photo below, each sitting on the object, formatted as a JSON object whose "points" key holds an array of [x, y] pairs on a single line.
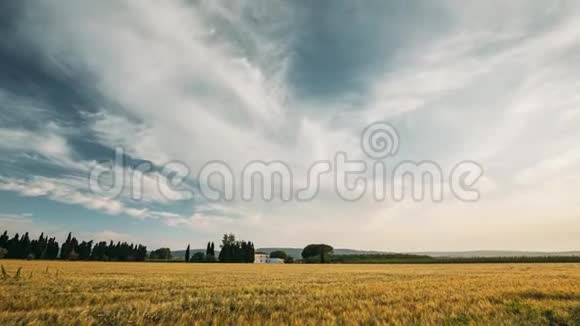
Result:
{"points": [[198, 257], [278, 254], [3, 252]]}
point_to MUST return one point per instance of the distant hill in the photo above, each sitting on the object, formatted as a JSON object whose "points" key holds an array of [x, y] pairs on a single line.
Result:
{"points": [[180, 254], [296, 253], [498, 253]]}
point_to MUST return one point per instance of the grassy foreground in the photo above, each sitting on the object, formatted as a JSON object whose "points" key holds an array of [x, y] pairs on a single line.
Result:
{"points": [[66, 293]]}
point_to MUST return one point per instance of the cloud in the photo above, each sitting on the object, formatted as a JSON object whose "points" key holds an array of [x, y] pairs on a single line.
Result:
{"points": [[554, 167], [25, 222], [108, 235], [11, 219], [73, 191], [48, 144], [206, 80]]}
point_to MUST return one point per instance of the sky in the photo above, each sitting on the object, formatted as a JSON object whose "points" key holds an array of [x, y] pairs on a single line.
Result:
{"points": [[198, 81]]}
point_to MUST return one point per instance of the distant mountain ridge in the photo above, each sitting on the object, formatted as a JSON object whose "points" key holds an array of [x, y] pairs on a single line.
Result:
{"points": [[296, 253], [498, 253]]}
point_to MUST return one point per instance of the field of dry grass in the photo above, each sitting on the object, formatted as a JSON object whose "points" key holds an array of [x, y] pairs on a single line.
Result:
{"points": [[66, 293]]}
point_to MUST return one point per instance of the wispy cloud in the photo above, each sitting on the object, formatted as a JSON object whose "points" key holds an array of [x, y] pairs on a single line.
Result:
{"points": [[15, 218], [108, 235], [74, 191], [209, 80]]}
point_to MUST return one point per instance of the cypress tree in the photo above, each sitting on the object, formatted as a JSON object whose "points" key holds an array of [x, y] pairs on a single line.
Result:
{"points": [[141, 253], [99, 251], [4, 240], [251, 253], [24, 246], [84, 250], [13, 246], [187, 254], [52, 249], [40, 250], [66, 247], [110, 250], [74, 249]]}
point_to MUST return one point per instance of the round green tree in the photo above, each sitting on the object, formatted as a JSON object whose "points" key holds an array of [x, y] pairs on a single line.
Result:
{"points": [[317, 250]]}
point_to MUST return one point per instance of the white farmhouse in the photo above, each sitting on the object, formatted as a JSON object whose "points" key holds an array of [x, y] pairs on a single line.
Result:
{"points": [[264, 258]]}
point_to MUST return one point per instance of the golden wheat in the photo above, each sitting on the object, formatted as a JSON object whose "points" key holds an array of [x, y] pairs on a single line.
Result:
{"points": [[89, 293]]}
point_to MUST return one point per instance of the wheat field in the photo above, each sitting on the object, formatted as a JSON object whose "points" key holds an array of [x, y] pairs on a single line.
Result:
{"points": [[98, 293]]}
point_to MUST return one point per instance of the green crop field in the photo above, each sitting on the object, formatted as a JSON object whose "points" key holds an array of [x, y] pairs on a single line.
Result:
{"points": [[97, 293]]}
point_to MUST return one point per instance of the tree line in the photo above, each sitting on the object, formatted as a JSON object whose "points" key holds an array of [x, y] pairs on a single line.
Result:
{"points": [[231, 251], [200, 257], [234, 251], [22, 247], [48, 248]]}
